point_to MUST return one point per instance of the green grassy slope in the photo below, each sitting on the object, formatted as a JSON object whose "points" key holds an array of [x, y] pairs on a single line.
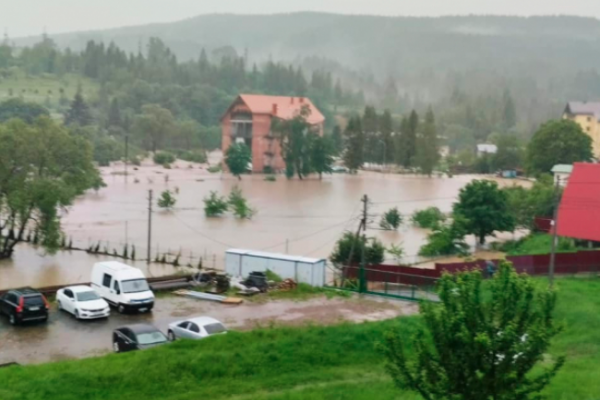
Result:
{"points": [[337, 362]]}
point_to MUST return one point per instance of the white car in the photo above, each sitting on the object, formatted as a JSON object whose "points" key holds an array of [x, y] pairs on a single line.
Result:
{"points": [[83, 302], [195, 328]]}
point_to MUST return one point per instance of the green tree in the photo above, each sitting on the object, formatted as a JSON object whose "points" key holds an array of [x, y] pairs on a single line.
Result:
{"points": [[153, 126], [485, 208], [558, 142], [429, 218], [43, 168], [239, 204], [237, 158], [17, 108], [79, 113], [296, 137], [349, 250], [373, 151], [391, 220], [446, 240], [167, 200], [509, 111], [509, 154], [354, 148], [537, 201], [472, 347], [428, 152], [407, 140], [321, 155], [386, 128], [337, 139], [114, 115], [215, 205]]}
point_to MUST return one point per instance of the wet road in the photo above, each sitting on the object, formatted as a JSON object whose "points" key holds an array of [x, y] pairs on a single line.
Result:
{"points": [[63, 337], [306, 217]]}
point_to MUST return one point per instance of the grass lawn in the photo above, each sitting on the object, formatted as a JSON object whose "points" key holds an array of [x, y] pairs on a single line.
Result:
{"points": [[336, 362], [538, 243]]}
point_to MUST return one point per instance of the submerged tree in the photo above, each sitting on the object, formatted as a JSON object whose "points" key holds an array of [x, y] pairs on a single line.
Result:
{"points": [[215, 205], [321, 155], [472, 347], [239, 204], [355, 142], [296, 137], [428, 152], [42, 169], [391, 220], [237, 158], [167, 200]]}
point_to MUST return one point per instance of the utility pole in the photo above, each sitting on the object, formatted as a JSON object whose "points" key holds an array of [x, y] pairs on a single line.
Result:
{"points": [[361, 226], [554, 232], [149, 225]]}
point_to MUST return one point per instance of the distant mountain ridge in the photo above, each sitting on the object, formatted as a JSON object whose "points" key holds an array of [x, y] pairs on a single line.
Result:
{"points": [[375, 42]]}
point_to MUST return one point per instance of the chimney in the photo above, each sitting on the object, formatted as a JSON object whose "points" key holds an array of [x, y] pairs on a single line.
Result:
{"points": [[274, 108], [301, 100], [292, 100]]}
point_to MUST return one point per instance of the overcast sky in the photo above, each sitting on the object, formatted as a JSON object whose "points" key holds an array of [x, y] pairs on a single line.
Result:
{"points": [[30, 17]]}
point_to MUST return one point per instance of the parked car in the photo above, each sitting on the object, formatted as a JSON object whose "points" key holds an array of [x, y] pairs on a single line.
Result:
{"points": [[195, 328], [122, 286], [137, 337], [22, 305], [83, 302], [338, 169]]}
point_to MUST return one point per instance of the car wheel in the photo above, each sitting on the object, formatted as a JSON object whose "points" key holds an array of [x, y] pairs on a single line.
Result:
{"points": [[76, 314], [59, 306], [116, 347], [12, 319], [171, 336], [121, 309]]}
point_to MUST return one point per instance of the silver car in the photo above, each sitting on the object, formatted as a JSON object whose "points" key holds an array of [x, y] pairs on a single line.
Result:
{"points": [[195, 328]]}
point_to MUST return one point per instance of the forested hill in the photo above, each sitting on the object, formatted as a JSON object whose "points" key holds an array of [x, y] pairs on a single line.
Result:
{"points": [[382, 43]]}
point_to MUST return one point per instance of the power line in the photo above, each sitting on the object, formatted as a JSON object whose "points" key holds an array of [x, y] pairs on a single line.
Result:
{"points": [[414, 200], [202, 234]]}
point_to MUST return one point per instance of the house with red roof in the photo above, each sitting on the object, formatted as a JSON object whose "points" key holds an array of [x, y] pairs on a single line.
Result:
{"points": [[579, 210], [249, 118]]}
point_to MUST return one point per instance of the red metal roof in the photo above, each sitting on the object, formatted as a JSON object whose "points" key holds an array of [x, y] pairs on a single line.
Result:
{"points": [[283, 107], [579, 211]]}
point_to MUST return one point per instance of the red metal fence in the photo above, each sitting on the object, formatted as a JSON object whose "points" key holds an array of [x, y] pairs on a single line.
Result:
{"points": [[566, 264]]}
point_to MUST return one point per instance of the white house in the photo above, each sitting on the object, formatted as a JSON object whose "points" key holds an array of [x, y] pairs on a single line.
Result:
{"points": [[486, 149], [562, 172]]}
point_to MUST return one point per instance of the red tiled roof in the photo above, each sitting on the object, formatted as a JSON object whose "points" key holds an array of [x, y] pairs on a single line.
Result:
{"points": [[579, 211], [286, 107]]}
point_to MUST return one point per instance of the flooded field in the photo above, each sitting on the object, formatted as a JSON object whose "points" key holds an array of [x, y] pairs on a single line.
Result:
{"points": [[300, 217], [63, 337]]}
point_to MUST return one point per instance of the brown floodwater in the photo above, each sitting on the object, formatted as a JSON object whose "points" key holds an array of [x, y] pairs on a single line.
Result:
{"points": [[63, 337], [301, 217]]}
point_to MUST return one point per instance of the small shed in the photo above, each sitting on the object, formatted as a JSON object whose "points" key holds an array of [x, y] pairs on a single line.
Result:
{"points": [[239, 262], [561, 173]]}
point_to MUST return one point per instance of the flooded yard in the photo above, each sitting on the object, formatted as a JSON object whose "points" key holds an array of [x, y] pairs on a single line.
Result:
{"points": [[298, 217]]}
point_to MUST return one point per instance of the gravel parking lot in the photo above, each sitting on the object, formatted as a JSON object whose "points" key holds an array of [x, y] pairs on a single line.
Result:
{"points": [[63, 337]]}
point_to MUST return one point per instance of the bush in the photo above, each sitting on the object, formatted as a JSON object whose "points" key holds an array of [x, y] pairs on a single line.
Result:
{"points": [[167, 200], [197, 156], [373, 248], [446, 240], [213, 169], [270, 178], [535, 244], [391, 220], [239, 204], [163, 158], [215, 205], [429, 218]]}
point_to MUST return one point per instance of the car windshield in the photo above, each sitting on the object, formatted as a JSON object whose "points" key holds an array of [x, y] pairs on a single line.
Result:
{"points": [[87, 296], [135, 286], [211, 329], [34, 301], [151, 338]]}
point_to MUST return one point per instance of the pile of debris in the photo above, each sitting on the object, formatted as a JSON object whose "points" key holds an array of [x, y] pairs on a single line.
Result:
{"points": [[211, 281]]}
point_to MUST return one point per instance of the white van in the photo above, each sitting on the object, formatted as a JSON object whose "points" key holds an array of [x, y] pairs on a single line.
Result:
{"points": [[122, 286]]}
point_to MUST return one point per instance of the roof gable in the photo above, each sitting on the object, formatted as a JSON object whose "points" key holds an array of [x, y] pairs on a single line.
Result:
{"points": [[583, 108], [579, 211], [283, 107]]}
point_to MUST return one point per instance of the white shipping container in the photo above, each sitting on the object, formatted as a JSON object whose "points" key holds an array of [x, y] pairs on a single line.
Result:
{"points": [[240, 262]]}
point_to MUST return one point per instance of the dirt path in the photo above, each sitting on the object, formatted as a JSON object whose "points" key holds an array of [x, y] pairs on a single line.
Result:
{"points": [[64, 337]]}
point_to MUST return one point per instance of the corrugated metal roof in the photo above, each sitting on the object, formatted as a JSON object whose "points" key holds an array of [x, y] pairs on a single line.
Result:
{"points": [[287, 107], [562, 169], [277, 256], [579, 211]]}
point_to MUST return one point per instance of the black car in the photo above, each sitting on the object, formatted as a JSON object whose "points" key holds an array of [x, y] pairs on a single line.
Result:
{"points": [[23, 305], [137, 337]]}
